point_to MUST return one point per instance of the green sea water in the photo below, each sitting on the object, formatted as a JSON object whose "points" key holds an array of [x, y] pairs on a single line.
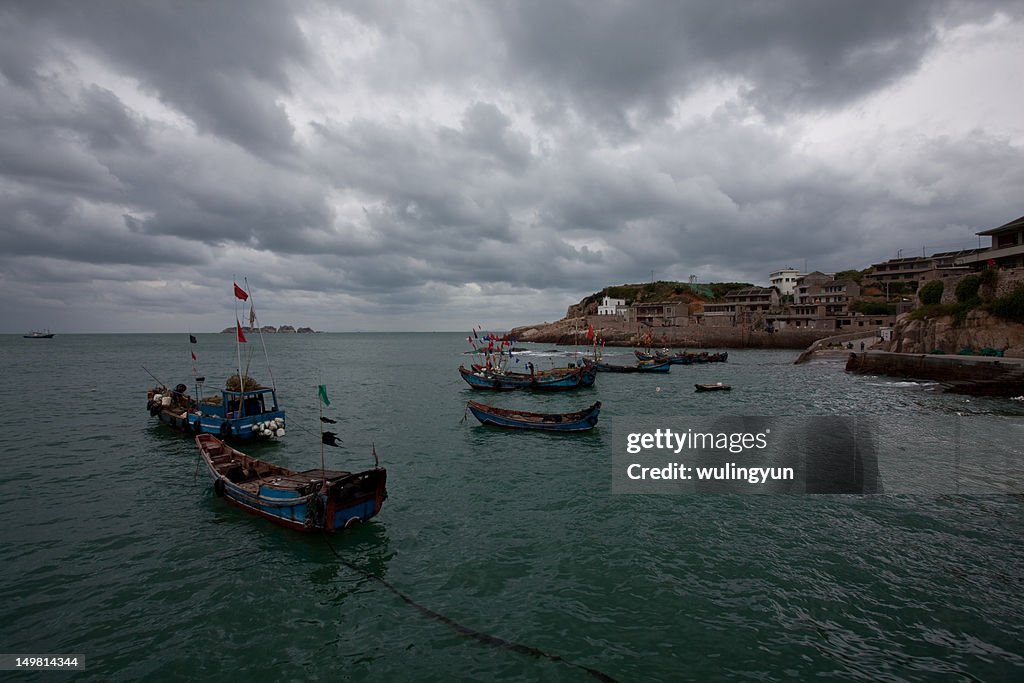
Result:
{"points": [[115, 550]]}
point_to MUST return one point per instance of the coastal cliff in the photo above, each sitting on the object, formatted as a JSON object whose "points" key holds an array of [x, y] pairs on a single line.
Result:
{"points": [[978, 330]]}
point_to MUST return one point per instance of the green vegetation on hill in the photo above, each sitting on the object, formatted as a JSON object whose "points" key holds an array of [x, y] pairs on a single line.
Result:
{"points": [[649, 292]]}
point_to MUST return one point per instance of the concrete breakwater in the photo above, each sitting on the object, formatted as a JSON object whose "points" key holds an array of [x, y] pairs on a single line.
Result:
{"points": [[979, 375]]}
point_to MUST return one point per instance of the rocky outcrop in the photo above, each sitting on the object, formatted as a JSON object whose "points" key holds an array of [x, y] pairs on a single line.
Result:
{"points": [[979, 330]]}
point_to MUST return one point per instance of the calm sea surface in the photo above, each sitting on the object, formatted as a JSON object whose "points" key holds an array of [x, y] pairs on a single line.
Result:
{"points": [[114, 549]]}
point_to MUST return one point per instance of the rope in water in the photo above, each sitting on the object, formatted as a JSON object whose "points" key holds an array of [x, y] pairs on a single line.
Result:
{"points": [[485, 638]]}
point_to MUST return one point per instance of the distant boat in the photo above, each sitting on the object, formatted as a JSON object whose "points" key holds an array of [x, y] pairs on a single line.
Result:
{"points": [[38, 334], [684, 357], [310, 500], [578, 421], [717, 386], [641, 366]]}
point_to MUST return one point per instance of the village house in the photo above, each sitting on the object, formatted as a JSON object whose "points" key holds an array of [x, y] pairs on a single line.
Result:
{"points": [[610, 306], [1006, 249]]}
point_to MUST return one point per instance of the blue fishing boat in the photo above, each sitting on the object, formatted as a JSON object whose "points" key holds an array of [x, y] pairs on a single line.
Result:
{"points": [[578, 421], [571, 378], [234, 415], [242, 411], [641, 366], [310, 500]]}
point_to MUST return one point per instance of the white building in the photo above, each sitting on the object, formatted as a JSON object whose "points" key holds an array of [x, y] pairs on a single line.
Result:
{"points": [[611, 306], [785, 280]]}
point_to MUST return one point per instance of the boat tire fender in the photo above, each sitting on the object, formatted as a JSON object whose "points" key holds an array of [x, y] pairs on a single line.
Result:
{"points": [[218, 487], [225, 430]]}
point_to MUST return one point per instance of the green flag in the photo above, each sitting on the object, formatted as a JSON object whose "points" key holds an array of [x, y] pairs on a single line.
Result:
{"points": [[323, 395]]}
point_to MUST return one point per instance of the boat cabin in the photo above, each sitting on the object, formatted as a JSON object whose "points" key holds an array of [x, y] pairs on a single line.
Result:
{"points": [[235, 404]]}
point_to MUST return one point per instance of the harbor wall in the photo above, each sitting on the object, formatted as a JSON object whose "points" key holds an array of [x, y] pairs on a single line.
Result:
{"points": [[963, 374]]}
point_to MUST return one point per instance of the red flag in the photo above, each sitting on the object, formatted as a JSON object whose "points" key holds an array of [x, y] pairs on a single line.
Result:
{"points": [[193, 355], [241, 293], [590, 331], [241, 337]]}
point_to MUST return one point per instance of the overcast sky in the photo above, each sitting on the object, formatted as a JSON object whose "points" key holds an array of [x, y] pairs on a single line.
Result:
{"points": [[386, 165]]}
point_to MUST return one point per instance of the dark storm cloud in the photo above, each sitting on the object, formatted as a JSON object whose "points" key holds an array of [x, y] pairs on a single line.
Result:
{"points": [[611, 57], [223, 64], [523, 153]]}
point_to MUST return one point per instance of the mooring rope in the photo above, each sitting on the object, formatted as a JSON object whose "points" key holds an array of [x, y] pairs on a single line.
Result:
{"points": [[485, 638]]}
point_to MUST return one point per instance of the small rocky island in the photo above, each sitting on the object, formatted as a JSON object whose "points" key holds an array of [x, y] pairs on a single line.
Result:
{"points": [[270, 329]]}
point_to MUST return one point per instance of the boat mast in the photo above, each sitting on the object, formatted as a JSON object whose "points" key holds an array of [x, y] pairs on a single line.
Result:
{"points": [[238, 352], [323, 462], [252, 302]]}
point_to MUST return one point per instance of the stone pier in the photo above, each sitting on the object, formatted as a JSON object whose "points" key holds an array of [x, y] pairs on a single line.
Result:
{"points": [[979, 375]]}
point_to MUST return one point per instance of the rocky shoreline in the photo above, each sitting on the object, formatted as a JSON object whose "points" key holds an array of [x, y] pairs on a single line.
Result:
{"points": [[614, 332]]}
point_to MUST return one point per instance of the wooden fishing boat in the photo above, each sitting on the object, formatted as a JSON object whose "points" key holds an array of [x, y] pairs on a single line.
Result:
{"points": [[579, 421], [311, 500], [641, 366], [572, 378], [658, 357], [654, 366], [718, 386]]}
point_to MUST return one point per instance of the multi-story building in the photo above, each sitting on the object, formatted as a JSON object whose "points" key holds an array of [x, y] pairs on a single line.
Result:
{"points": [[900, 269], [742, 306], [785, 280], [1006, 250], [660, 313]]}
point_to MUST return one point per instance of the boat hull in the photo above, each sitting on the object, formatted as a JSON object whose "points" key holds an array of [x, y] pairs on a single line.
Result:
{"points": [[549, 422], [185, 416], [575, 379], [303, 501]]}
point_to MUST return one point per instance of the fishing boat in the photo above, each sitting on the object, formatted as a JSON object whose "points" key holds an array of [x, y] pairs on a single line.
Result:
{"points": [[38, 334], [578, 421], [310, 500], [572, 378], [641, 366], [242, 411], [657, 356], [717, 386]]}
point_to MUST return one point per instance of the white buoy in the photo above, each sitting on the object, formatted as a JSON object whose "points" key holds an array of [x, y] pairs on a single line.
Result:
{"points": [[280, 432]]}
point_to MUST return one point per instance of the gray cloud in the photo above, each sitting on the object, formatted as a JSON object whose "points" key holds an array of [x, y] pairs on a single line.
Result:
{"points": [[388, 164]]}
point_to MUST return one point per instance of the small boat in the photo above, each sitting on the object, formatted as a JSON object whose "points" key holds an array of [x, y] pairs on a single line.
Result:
{"points": [[38, 334], [654, 366], [579, 421], [311, 500], [572, 378], [641, 366], [658, 356], [717, 386]]}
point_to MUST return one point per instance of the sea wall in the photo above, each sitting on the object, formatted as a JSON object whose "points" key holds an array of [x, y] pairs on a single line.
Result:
{"points": [[962, 374]]}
